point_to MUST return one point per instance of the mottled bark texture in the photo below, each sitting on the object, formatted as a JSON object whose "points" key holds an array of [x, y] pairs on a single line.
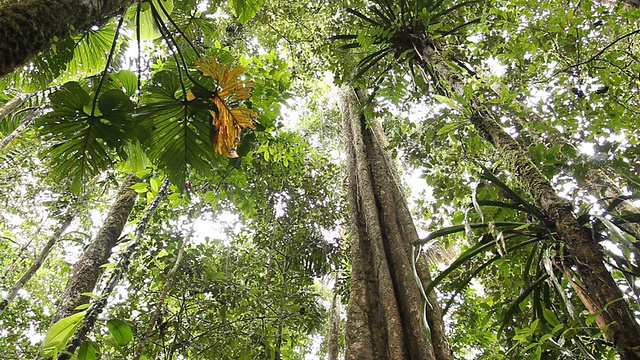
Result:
{"points": [[385, 318], [333, 348], [87, 270], [28, 27], [599, 292]]}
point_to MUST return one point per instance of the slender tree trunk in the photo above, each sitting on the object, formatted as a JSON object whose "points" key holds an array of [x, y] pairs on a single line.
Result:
{"points": [[22, 125], [160, 304], [8, 107], [30, 26], [603, 294], [385, 319], [13, 292], [333, 349], [167, 286], [88, 270]]}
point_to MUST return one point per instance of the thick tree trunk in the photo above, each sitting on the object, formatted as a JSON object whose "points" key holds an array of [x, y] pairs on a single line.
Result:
{"points": [[87, 271], [123, 264], [601, 293], [385, 319], [30, 26]]}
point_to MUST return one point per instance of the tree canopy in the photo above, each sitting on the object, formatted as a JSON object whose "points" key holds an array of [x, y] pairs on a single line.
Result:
{"points": [[179, 181]]}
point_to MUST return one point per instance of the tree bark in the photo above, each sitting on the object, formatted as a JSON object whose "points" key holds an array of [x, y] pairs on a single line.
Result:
{"points": [[11, 105], [602, 293], [28, 27], [385, 318], [13, 292], [123, 264], [88, 270], [333, 348]]}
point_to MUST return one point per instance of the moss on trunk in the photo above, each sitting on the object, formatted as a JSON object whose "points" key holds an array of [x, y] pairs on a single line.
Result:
{"points": [[30, 26], [87, 270], [601, 293]]}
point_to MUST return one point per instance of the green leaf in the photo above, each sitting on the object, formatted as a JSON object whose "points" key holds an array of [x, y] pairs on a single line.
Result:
{"points": [[124, 80], [448, 128], [245, 10], [59, 333], [120, 331], [530, 208], [155, 184], [91, 295], [514, 308], [88, 350], [551, 318], [461, 228], [449, 101], [84, 143], [89, 53], [148, 29], [176, 132], [140, 188]]}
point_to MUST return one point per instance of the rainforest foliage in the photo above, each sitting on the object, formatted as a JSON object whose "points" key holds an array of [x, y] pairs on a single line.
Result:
{"points": [[513, 126]]}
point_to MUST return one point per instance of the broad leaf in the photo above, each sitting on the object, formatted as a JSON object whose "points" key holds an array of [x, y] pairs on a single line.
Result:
{"points": [[245, 9], [124, 80], [88, 350], [59, 333], [148, 26], [176, 131], [83, 142], [120, 331], [89, 54]]}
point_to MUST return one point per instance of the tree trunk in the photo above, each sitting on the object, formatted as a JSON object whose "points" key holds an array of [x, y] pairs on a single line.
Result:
{"points": [[603, 294], [11, 105], [88, 270], [99, 304], [30, 26], [333, 349], [385, 318], [13, 292]]}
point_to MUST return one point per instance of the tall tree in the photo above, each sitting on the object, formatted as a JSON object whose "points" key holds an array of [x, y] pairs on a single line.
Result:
{"points": [[412, 40], [88, 269], [386, 318]]}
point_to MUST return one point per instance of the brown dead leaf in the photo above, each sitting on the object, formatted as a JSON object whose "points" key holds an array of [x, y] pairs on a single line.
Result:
{"points": [[228, 120]]}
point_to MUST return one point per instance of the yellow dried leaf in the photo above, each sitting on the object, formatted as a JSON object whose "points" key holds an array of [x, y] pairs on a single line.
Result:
{"points": [[228, 120]]}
